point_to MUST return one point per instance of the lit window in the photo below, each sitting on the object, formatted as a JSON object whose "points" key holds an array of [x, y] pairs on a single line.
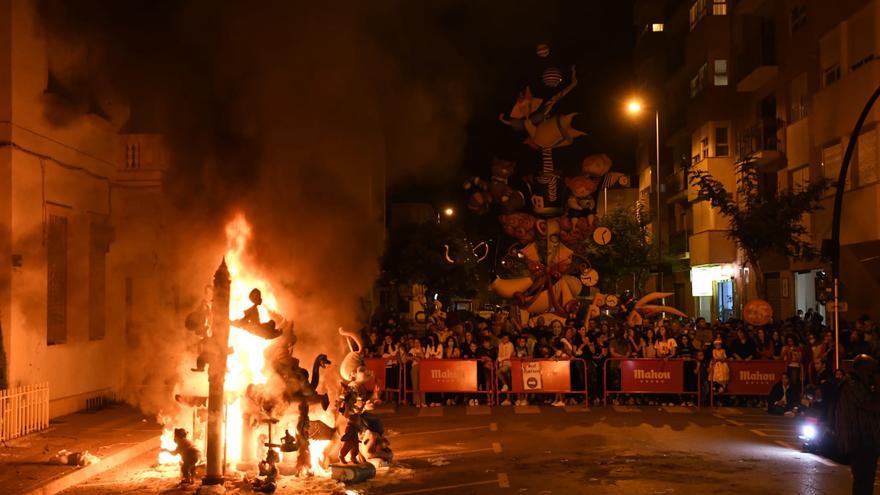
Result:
{"points": [[657, 27], [719, 7], [720, 73], [722, 146], [697, 12]]}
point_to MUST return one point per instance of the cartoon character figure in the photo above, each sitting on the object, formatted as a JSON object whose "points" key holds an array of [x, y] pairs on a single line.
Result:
{"points": [[189, 456], [251, 320], [520, 226], [351, 441], [269, 470], [479, 200], [596, 166], [502, 193], [582, 190]]}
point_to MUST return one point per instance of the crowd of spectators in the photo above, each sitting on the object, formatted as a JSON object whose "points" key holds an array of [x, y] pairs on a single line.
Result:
{"points": [[803, 342]]}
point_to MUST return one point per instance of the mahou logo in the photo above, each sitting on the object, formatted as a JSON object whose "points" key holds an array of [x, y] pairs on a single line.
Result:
{"points": [[652, 375], [446, 375], [757, 377]]}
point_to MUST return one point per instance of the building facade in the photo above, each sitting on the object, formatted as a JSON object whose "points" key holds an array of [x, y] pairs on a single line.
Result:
{"points": [[72, 191], [778, 81]]}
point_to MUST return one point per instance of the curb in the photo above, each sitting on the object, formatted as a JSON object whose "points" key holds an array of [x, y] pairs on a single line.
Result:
{"points": [[77, 476]]}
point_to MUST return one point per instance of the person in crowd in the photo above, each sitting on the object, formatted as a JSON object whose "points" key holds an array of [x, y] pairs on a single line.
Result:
{"points": [[664, 344], [763, 345], [433, 350], [856, 345], [857, 422], [742, 348], [684, 348], [784, 397], [451, 349], [487, 354], [793, 355], [415, 355], [817, 348], [648, 350], [389, 348], [555, 330], [505, 352], [777, 343], [720, 369], [635, 343], [821, 373]]}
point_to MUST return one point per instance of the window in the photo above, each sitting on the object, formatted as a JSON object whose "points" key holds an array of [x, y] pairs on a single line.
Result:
{"points": [[56, 273], [860, 38], [829, 57], [797, 98], [720, 73], [798, 18], [719, 7], [722, 144], [831, 158], [800, 178], [98, 243], [657, 27], [866, 164], [698, 11], [704, 148], [698, 82]]}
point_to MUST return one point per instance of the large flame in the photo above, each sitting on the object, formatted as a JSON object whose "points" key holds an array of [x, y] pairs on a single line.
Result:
{"points": [[246, 364]]}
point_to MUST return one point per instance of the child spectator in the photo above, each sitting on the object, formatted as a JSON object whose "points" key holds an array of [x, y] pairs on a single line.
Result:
{"points": [[720, 369]]}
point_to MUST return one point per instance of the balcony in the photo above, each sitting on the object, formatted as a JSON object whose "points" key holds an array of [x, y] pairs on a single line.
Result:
{"points": [[711, 247], [679, 244], [756, 64], [748, 7], [676, 186], [143, 156], [759, 142]]}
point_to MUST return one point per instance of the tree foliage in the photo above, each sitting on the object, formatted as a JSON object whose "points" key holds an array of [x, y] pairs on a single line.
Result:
{"points": [[762, 222], [631, 252]]}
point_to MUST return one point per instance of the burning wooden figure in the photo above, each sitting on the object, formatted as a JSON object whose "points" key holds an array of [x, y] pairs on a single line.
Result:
{"points": [[351, 441], [269, 471], [251, 319], [303, 456], [189, 456]]}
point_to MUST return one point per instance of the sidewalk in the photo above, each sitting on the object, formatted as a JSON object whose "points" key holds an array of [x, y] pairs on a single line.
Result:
{"points": [[115, 435]]}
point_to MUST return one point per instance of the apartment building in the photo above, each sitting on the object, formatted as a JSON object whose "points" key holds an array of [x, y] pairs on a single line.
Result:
{"points": [[781, 82], [78, 195]]}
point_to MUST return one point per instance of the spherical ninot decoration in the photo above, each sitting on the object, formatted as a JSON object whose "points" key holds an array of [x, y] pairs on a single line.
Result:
{"points": [[543, 50], [758, 312], [552, 77], [612, 301]]}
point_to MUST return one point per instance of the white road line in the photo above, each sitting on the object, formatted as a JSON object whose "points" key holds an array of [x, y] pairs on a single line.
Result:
{"points": [[493, 426], [784, 444], [445, 453], [431, 432], [496, 447], [503, 480], [736, 423], [758, 432], [449, 487]]}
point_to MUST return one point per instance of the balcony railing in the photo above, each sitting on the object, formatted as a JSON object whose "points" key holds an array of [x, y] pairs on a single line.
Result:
{"points": [[757, 138]]}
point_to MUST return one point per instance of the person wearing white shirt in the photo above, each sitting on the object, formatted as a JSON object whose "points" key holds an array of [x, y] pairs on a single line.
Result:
{"points": [[505, 352]]}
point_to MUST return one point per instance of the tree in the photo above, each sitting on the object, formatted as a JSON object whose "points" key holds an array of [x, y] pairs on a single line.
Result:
{"points": [[631, 252], [416, 253], [762, 222]]}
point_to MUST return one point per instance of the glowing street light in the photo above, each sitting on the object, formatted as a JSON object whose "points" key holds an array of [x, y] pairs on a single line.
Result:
{"points": [[634, 106], [449, 212]]}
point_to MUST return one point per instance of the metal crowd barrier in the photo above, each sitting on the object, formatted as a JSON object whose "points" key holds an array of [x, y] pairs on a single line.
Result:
{"points": [[380, 368], [752, 377], [453, 376], [652, 376], [545, 376]]}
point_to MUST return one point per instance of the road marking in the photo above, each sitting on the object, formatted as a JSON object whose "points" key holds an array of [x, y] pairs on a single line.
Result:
{"points": [[449, 487], [503, 480], [679, 409], [526, 410], [431, 432], [737, 423], [478, 410], [821, 459], [431, 412], [784, 444], [446, 453], [493, 426], [759, 432], [496, 447]]}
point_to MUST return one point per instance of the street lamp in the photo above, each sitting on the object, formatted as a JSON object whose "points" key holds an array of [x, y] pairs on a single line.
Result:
{"points": [[635, 107], [448, 211]]}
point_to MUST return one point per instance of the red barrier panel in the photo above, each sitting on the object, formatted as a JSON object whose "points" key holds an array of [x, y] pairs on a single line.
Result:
{"points": [[378, 367], [650, 376], [452, 375], [755, 377], [544, 376]]}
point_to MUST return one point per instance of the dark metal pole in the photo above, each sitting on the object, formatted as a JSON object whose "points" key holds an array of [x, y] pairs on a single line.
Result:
{"points": [[838, 208], [219, 344]]}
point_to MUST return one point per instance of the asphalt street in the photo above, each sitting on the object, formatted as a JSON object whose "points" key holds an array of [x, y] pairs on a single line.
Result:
{"points": [[547, 450]]}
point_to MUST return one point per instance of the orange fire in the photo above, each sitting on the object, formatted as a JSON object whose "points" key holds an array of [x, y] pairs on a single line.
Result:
{"points": [[246, 365]]}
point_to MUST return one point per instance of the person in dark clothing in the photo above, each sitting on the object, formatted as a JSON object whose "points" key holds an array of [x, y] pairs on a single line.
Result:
{"points": [[742, 348], [857, 422], [784, 397]]}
